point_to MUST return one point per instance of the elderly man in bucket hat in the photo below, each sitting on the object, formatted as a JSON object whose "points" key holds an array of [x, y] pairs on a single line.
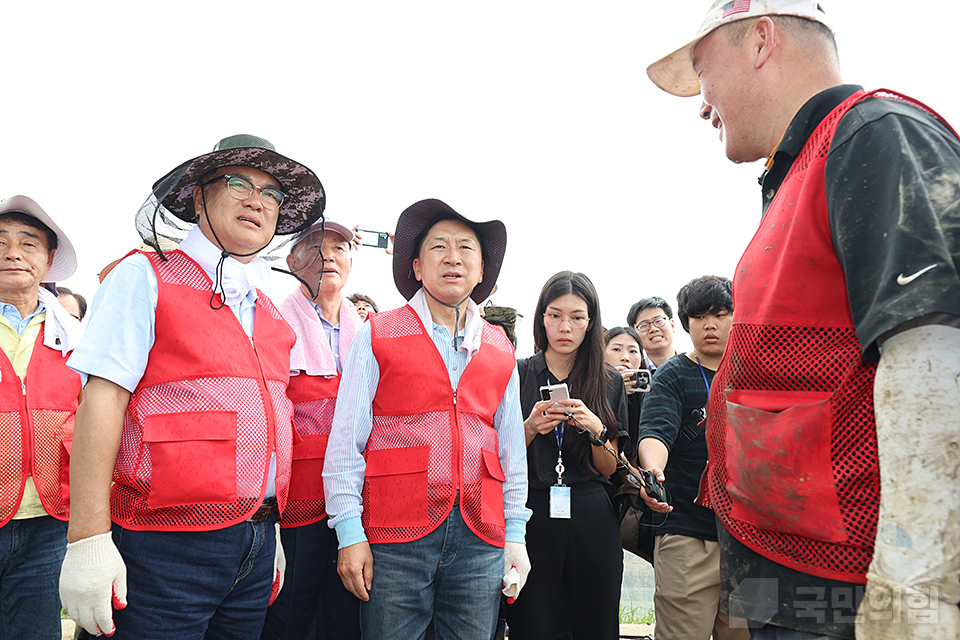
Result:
{"points": [[185, 410], [38, 396], [425, 475], [834, 445], [314, 602]]}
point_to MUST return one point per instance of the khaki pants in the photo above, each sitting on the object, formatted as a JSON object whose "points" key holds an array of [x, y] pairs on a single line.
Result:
{"points": [[687, 597]]}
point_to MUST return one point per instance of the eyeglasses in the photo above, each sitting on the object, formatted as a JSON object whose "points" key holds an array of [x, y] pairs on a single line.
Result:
{"points": [[241, 188], [656, 322], [555, 320]]}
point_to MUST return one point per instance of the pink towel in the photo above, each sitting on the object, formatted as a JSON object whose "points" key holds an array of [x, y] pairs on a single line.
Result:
{"points": [[312, 353]]}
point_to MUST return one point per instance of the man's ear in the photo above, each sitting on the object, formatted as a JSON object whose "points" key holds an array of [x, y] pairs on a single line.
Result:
{"points": [[416, 270], [481, 273], [291, 263], [198, 201], [50, 259], [764, 40]]}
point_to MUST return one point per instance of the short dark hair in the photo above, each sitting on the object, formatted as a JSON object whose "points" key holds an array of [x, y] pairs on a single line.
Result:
{"points": [[30, 221], [648, 303], [357, 297], [81, 301], [422, 236], [706, 294]]}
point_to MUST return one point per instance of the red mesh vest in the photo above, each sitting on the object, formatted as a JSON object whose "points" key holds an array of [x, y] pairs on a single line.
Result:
{"points": [[36, 420], [314, 400], [426, 444], [210, 408], [793, 470]]}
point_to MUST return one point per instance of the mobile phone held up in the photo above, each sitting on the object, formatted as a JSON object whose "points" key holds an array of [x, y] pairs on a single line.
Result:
{"points": [[555, 392], [641, 380], [378, 239]]}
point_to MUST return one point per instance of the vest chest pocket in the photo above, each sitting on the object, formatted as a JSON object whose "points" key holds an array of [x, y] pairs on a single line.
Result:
{"points": [[193, 458], [397, 487], [779, 470], [491, 489], [306, 477]]}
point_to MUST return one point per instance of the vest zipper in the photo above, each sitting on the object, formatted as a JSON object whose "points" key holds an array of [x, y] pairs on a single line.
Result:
{"points": [[27, 427], [271, 417], [458, 448]]}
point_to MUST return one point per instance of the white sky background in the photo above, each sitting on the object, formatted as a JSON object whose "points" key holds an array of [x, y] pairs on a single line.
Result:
{"points": [[539, 114]]}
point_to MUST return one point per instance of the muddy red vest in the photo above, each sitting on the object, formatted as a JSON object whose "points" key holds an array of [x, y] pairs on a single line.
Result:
{"points": [[37, 419], [793, 470], [426, 443], [314, 401], [209, 410]]}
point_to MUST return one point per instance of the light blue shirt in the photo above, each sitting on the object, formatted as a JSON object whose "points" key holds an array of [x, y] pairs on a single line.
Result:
{"points": [[344, 465], [121, 329], [332, 331], [12, 314]]}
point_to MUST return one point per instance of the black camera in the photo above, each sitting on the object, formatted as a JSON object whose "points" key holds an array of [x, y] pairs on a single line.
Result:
{"points": [[699, 415]]}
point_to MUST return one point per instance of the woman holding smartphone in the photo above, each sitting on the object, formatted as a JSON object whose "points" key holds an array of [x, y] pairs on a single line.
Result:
{"points": [[622, 351], [573, 538]]}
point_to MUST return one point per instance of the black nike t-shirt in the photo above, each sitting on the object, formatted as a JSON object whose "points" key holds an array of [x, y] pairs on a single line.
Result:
{"points": [[892, 181]]}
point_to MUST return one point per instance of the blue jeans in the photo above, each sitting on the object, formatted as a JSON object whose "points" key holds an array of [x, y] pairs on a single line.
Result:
{"points": [[313, 603], [31, 552], [449, 580], [190, 585]]}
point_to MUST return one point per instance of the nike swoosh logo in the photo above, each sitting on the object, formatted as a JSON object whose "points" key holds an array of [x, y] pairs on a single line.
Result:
{"points": [[905, 280]]}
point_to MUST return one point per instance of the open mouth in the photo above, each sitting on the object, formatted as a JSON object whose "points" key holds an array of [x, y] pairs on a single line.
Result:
{"points": [[249, 220]]}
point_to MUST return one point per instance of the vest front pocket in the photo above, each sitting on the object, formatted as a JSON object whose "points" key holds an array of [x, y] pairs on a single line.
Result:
{"points": [[491, 489], [397, 487], [306, 477], [193, 458], [779, 469]]}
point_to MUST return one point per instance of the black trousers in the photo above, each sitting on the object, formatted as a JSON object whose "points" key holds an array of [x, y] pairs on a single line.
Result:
{"points": [[576, 569], [313, 604]]}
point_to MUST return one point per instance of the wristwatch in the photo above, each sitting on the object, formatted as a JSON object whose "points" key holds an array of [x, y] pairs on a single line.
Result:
{"points": [[599, 440]]}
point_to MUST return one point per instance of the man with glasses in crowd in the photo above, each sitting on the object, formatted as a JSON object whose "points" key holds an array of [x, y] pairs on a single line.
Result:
{"points": [[314, 602], [182, 449], [653, 319]]}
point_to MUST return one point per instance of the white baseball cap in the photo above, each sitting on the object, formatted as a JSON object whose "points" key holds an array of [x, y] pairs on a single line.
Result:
{"points": [[674, 73]]}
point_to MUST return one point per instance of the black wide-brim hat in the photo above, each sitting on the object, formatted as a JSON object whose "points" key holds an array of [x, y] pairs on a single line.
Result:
{"points": [[302, 206], [417, 219]]}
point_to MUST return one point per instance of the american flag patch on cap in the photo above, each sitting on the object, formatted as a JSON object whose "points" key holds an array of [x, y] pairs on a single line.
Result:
{"points": [[737, 6]]}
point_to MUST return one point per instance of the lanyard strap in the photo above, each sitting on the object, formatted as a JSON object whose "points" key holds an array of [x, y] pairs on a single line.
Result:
{"points": [[703, 374]]}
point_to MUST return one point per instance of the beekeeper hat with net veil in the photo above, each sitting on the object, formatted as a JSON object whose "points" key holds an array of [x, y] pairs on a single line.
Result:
{"points": [[169, 212]]}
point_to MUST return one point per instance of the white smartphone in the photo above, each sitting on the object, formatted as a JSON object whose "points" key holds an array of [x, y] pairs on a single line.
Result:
{"points": [[555, 392]]}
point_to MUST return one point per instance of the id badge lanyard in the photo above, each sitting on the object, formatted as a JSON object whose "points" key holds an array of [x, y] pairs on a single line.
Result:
{"points": [[559, 493]]}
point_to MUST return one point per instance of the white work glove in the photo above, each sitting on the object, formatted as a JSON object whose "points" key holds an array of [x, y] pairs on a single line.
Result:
{"points": [[279, 568], [93, 577], [912, 583], [516, 566]]}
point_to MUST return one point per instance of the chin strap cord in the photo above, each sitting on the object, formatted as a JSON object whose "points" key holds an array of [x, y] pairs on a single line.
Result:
{"points": [[455, 307]]}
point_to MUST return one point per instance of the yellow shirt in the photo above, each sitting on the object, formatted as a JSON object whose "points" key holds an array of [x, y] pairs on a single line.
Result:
{"points": [[19, 349]]}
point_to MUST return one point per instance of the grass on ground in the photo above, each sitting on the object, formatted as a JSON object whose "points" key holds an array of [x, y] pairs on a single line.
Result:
{"points": [[630, 614]]}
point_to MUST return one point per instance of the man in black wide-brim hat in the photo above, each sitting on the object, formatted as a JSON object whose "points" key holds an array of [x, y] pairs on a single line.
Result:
{"points": [[425, 474], [185, 410]]}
